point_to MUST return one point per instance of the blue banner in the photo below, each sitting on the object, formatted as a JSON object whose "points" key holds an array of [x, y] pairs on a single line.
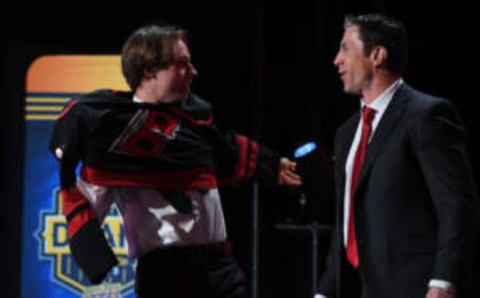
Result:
{"points": [[48, 268]]}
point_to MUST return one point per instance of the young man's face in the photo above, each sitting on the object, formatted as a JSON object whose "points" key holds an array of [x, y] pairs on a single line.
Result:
{"points": [[354, 67], [175, 80]]}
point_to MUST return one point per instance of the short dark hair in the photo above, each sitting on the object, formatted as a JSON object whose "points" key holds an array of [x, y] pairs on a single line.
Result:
{"points": [[149, 48], [380, 30]]}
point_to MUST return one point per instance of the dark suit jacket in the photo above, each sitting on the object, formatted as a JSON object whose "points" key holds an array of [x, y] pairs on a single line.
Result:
{"points": [[413, 202]]}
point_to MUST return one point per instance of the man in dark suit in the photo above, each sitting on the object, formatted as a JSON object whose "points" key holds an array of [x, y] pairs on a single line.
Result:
{"points": [[403, 178]]}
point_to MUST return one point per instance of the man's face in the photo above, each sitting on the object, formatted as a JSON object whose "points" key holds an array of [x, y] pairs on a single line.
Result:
{"points": [[175, 80], [354, 68]]}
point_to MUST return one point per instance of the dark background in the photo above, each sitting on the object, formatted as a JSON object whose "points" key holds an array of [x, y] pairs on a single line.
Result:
{"points": [[267, 68]]}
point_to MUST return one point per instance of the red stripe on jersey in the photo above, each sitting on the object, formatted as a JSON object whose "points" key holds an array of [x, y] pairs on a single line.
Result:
{"points": [[253, 158], [177, 180], [241, 169], [72, 198], [79, 221], [68, 108]]}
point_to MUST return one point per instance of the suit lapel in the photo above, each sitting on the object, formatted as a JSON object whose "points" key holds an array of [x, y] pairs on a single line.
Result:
{"points": [[345, 139], [388, 122]]}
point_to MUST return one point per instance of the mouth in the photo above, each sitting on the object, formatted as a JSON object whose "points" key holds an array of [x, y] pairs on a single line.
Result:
{"points": [[188, 86]]}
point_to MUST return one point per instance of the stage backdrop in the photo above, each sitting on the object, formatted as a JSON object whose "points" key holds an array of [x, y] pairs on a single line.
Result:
{"points": [[48, 269]]}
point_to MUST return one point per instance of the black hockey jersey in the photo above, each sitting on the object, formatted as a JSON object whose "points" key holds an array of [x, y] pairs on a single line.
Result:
{"points": [[118, 142]]}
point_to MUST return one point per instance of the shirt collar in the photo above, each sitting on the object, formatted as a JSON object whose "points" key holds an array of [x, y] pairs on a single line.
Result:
{"points": [[137, 99], [380, 103]]}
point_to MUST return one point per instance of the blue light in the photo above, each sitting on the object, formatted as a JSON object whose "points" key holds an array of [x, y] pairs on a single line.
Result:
{"points": [[304, 149]]}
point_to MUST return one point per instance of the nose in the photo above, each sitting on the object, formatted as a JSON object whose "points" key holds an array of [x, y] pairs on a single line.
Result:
{"points": [[193, 71], [337, 60]]}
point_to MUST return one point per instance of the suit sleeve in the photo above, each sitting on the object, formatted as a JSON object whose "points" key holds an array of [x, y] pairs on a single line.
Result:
{"points": [[327, 285], [87, 242], [442, 154], [328, 281]]}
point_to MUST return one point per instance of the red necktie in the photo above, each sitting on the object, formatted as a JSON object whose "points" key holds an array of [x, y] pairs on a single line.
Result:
{"points": [[367, 117]]}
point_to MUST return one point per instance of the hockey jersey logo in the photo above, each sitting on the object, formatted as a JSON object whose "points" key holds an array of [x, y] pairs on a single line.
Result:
{"points": [[147, 134]]}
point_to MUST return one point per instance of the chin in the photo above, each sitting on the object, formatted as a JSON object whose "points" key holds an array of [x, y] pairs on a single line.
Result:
{"points": [[352, 91], [182, 95], [347, 89]]}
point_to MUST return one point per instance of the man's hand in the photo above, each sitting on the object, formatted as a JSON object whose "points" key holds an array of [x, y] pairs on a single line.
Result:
{"points": [[435, 292], [286, 175]]}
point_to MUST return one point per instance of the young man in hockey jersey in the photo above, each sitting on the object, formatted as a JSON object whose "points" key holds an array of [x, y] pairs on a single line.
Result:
{"points": [[156, 153]]}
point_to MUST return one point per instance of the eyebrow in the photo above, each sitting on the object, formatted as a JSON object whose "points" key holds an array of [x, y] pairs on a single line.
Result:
{"points": [[184, 58]]}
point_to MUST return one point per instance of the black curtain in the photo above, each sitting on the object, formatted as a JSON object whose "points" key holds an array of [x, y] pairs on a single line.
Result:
{"points": [[267, 68]]}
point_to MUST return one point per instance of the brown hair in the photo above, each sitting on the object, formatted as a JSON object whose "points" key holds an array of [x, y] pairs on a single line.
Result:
{"points": [[149, 49]]}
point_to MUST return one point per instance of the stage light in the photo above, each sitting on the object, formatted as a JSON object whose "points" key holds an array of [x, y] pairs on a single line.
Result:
{"points": [[305, 149]]}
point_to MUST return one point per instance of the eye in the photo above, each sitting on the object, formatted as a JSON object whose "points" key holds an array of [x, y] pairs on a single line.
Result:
{"points": [[183, 62]]}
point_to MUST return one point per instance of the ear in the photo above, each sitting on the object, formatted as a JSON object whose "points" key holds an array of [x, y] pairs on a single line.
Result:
{"points": [[149, 74], [379, 56]]}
